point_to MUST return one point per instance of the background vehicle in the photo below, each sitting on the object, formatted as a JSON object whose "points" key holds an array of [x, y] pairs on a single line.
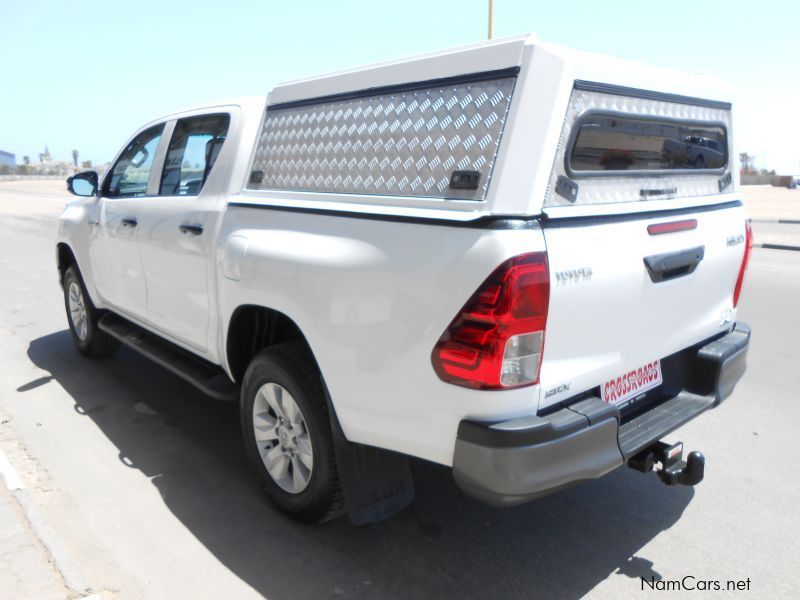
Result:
{"points": [[477, 257], [697, 152]]}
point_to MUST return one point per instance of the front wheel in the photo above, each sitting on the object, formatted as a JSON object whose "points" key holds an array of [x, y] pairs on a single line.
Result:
{"points": [[82, 317], [287, 433]]}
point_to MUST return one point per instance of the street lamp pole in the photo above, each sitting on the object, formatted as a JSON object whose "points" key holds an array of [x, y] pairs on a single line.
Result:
{"points": [[491, 18]]}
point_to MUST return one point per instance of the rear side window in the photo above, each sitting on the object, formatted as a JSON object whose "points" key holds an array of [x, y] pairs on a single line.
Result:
{"points": [[613, 142], [193, 150], [131, 172]]}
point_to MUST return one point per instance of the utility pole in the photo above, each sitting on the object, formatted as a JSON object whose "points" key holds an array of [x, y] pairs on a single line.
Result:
{"points": [[491, 18]]}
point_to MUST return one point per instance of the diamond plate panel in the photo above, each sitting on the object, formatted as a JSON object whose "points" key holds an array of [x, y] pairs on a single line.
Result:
{"points": [[398, 144], [607, 190]]}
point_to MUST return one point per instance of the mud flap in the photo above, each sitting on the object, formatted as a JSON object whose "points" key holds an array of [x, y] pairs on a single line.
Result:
{"points": [[376, 483]]}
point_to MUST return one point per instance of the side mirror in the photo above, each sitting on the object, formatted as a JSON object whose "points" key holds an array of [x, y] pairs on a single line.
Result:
{"points": [[83, 184]]}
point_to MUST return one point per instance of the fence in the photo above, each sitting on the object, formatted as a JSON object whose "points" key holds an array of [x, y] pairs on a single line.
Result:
{"points": [[31, 177], [756, 179]]}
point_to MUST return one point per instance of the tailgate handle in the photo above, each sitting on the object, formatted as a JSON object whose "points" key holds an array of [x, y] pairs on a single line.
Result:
{"points": [[662, 267]]}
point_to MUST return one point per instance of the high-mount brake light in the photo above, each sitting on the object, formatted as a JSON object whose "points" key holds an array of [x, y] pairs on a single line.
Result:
{"points": [[497, 338], [748, 246], [671, 227]]}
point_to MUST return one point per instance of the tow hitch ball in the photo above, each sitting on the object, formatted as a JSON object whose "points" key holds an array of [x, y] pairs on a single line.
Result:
{"points": [[673, 470]]}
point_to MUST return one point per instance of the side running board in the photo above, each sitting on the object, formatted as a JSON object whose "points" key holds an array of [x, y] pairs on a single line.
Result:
{"points": [[206, 377]]}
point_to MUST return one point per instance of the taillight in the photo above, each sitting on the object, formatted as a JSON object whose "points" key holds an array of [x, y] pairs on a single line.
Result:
{"points": [[748, 246], [496, 340]]}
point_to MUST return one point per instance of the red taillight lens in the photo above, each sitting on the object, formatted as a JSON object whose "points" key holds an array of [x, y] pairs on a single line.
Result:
{"points": [[748, 246], [496, 340]]}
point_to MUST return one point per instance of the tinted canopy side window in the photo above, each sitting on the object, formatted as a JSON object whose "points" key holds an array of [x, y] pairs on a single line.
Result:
{"points": [[193, 150], [128, 178], [610, 142]]}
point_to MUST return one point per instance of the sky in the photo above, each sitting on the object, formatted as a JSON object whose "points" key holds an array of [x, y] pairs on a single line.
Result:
{"points": [[84, 74]]}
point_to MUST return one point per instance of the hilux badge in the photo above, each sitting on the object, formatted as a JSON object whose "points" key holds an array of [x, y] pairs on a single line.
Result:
{"points": [[735, 240]]}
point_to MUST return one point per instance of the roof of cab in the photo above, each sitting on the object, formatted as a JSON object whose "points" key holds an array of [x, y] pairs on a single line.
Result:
{"points": [[246, 102]]}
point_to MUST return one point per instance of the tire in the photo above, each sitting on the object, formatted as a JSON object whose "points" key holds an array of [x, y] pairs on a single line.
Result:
{"points": [[82, 317], [305, 488]]}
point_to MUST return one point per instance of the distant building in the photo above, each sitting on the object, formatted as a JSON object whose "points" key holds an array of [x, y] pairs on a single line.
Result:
{"points": [[6, 158]]}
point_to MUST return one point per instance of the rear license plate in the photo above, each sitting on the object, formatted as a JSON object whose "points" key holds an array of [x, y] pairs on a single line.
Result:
{"points": [[631, 386]]}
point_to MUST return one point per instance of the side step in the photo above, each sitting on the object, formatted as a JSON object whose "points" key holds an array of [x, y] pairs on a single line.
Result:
{"points": [[205, 376]]}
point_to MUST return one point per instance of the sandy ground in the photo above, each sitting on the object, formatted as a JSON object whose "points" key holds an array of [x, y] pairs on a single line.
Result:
{"points": [[767, 202], [142, 484]]}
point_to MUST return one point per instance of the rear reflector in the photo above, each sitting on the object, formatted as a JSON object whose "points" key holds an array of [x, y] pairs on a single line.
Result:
{"points": [[748, 246], [671, 227], [496, 339]]}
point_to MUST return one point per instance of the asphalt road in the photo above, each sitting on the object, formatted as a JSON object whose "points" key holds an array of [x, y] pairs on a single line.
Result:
{"points": [[785, 235], [142, 482]]}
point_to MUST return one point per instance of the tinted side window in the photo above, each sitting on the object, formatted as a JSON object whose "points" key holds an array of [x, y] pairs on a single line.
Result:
{"points": [[193, 149], [128, 177], [606, 142]]}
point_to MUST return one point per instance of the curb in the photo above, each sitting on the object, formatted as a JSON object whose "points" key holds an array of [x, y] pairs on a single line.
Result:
{"points": [[781, 221], [44, 534], [777, 247]]}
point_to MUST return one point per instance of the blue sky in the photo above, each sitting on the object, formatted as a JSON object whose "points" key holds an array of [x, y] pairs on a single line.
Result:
{"points": [[85, 74]]}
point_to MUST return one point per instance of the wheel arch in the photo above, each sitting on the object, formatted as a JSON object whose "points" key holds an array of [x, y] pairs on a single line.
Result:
{"points": [[254, 327], [65, 258]]}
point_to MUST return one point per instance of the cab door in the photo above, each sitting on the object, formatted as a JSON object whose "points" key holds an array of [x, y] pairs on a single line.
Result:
{"points": [[177, 232], [113, 246]]}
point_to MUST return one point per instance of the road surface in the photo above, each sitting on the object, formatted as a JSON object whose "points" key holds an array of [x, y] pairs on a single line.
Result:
{"points": [[139, 488]]}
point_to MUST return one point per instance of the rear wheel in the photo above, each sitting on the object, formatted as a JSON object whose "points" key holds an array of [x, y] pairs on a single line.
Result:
{"points": [[82, 317], [287, 433]]}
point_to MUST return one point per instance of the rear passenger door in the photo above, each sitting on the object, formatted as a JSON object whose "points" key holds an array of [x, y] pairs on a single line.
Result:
{"points": [[177, 232]]}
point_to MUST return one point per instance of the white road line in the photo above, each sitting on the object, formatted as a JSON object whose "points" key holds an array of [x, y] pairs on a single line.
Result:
{"points": [[13, 481]]}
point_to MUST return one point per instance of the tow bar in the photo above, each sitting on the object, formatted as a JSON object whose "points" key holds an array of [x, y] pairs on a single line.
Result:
{"points": [[673, 470]]}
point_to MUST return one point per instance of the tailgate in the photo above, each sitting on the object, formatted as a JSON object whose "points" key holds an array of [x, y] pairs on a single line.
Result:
{"points": [[622, 297], [645, 239]]}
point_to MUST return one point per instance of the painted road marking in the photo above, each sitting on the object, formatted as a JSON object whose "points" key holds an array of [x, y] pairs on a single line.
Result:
{"points": [[13, 480]]}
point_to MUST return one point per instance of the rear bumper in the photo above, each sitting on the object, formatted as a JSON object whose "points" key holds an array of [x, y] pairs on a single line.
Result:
{"points": [[523, 459]]}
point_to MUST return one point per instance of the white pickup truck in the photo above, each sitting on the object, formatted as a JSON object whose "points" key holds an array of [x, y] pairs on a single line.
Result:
{"points": [[482, 257]]}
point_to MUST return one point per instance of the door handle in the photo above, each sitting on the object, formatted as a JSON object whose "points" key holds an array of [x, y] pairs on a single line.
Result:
{"points": [[130, 221], [193, 228], [662, 267]]}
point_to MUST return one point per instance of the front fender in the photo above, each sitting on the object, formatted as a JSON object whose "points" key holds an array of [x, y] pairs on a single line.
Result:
{"points": [[74, 234]]}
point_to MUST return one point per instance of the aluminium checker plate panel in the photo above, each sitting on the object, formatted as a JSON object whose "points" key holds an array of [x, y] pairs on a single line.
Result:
{"points": [[399, 143]]}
